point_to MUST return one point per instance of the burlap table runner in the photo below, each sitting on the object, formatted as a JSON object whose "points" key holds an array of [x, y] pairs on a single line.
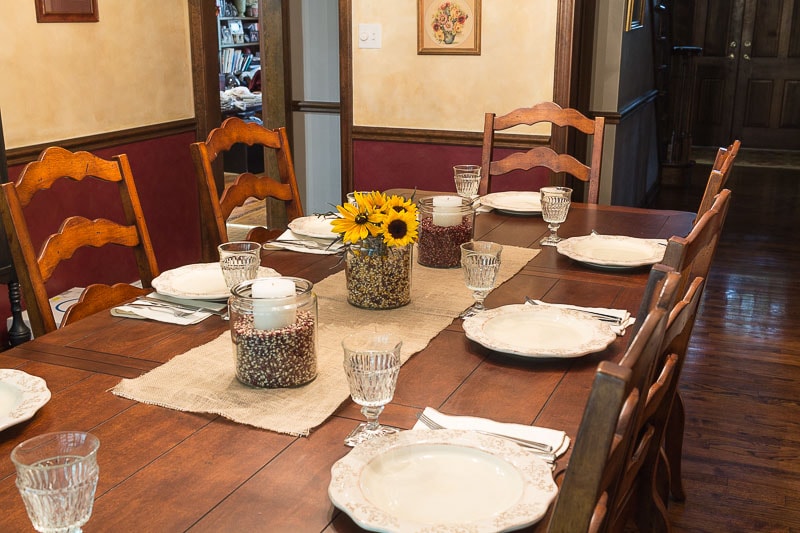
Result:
{"points": [[202, 380]]}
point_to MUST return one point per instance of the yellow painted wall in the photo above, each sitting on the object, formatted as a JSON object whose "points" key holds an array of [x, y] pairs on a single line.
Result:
{"points": [[395, 87], [66, 80]]}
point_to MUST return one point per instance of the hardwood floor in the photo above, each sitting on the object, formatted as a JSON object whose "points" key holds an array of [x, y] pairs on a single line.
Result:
{"points": [[741, 382]]}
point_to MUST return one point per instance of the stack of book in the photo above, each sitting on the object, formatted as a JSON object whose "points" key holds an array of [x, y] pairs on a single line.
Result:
{"points": [[235, 61]]}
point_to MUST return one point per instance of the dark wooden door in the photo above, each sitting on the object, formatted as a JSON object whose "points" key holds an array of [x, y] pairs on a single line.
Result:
{"points": [[748, 76]]}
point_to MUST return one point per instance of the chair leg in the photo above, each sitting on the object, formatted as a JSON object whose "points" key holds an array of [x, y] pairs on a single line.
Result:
{"points": [[652, 495], [673, 447]]}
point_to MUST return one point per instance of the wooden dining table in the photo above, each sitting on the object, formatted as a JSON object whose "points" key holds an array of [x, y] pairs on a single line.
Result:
{"points": [[167, 470]]}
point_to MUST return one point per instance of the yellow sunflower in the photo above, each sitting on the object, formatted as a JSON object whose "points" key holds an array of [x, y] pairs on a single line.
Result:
{"points": [[370, 201], [399, 227], [357, 223], [398, 203]]}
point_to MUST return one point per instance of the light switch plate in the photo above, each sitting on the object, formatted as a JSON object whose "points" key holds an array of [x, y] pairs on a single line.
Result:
{"points": [[369, 35]]}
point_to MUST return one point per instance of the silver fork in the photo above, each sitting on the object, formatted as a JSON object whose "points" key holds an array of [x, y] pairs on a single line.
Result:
{"points": [[179, 313], [538, 448], [304, 244], [617, 321]]}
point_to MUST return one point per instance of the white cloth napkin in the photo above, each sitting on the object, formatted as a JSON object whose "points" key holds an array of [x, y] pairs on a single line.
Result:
{"points": [[325, 246], [480, 208], [625, 317], [160, 314], [553, 437]]}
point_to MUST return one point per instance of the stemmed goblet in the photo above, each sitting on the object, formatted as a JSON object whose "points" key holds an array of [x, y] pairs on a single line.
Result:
{"points": [[467, 179], [371, 364], [480, 262], [57, 477], [555, 206]]}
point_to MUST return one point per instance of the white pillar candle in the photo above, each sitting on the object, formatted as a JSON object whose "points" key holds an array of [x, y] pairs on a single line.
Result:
{"points": [[273, 303], [446, 210]]}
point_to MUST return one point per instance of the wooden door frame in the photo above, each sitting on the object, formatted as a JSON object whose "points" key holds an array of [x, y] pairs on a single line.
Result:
{"points": [[572, 73], [274, 63], [273, 25]]}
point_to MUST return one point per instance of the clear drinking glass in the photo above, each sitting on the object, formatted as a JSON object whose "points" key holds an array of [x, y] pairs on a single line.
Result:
{"points": [[480, 262], [371, 364], [468, 179], [239, 261], [57, 477], [555, 206]]}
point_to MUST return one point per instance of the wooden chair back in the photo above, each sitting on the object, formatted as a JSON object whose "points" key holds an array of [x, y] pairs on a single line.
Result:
{"points": [[36, 267], [596, 481], [718, 178], [692, 255], [543, 156], [661, 473], [215, 209], [725, 157], [581, 504], [635, 433]]}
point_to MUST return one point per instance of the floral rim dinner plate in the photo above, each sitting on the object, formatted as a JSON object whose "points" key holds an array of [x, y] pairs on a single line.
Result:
{"points": [[539, 331], [514, 202], [21, 395], [314, 226], [613, 251], [444, 480], [202, 281]]}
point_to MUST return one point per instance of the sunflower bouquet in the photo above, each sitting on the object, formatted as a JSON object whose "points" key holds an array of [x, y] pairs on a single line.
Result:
{"points": [[377, 221], [378, 232]]}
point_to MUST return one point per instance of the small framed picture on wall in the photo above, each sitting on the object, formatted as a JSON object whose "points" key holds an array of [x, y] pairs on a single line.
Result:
{"points": [[66, 11], [449, 27]]}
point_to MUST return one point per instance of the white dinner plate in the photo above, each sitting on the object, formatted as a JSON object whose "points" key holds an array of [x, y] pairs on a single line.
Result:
{"points": [[313, 226], [514, 202], [21, 395], [613, 251], [202, 281], [444, 480], [539, 331]]}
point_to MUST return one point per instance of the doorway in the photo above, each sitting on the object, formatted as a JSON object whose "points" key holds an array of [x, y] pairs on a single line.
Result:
{"points": [[294, 35], [748, 75], [315, 89]]}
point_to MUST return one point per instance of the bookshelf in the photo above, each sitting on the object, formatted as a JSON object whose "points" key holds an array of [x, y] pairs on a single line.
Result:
{"points": [[239, 48]]}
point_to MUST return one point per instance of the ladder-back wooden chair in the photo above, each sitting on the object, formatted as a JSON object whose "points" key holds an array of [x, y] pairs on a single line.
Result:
{"points": [[718, 178], [596, 483], [654, 484], [692, 257], [543, 156], [581, 503], [36, 267], [642, 358], [215, 208]]}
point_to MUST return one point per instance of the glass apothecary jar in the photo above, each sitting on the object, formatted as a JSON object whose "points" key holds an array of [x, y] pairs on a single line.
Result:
{"points": [[273, 325], [445, 223], [378, 276]]}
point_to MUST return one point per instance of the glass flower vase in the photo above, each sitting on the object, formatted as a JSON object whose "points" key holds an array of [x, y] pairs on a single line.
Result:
{"points": [[378, 276]]}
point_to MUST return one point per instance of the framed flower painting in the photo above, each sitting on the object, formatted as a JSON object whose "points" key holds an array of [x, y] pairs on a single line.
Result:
{"points": [[450, 27]]}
